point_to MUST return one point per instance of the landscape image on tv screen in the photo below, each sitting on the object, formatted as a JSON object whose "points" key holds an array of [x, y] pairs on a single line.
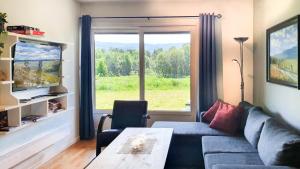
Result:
{"points": [[50, 74], [36, 66]]}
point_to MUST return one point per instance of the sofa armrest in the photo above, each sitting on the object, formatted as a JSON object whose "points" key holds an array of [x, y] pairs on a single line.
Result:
{"points": [[200, 116], [226, 166], [146, 116]]}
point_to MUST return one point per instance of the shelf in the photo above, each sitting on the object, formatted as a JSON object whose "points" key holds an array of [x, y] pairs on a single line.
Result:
{"points": [[5, 59], [6, 82], [53, 113], [29, 123], [38, 100], [7, 107], [42, 99], [35, 38]]}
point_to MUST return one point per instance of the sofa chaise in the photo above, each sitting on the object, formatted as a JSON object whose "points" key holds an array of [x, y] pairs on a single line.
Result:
{"points": [[261, 143]]}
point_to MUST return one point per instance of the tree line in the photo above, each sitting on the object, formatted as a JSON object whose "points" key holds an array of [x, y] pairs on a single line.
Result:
{"points": [[168, 63]]}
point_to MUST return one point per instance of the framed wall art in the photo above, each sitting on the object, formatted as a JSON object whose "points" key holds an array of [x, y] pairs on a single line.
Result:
{"points": [[283, 53]]}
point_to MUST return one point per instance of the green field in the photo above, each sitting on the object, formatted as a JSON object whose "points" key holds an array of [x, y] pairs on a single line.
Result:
{"points": [[285, 70], [161, 93]]}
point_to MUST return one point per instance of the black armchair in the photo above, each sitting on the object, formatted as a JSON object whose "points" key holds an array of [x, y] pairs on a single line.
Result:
{"points": [[125, 114]]}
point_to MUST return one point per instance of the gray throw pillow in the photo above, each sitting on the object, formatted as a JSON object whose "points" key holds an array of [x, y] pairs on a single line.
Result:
{"points": [[279, 145], [254, 125]]}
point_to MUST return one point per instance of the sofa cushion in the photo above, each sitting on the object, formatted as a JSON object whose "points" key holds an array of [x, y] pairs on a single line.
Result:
{"points": [[254, 125], [211, 112], [189, 128], [226, 166], [227, 118], [226, 144], [279, 145], [186, 148], [231, 158]]}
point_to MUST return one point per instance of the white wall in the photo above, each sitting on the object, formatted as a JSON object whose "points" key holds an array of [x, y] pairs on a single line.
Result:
{"points": [[281, 100], [237, 20], [59, 19]]}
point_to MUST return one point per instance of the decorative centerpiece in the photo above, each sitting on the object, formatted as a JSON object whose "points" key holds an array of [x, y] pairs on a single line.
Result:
{"points": [[137, 145], [3, 33]]}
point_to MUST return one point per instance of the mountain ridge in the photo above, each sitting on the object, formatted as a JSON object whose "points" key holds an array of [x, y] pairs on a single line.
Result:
{"points": [[288, 53], [135, 46]]}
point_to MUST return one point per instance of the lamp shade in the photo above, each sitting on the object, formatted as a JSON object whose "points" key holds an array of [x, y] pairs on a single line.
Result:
{"points": [[241, 39]]}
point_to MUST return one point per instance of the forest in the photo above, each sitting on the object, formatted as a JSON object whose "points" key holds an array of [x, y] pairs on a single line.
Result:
{"points": [[170, 63], [167, 77]]}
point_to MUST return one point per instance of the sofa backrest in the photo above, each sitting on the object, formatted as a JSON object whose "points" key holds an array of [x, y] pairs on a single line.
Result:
{"points": [[279, 145], [254, 124], [246, 106]]}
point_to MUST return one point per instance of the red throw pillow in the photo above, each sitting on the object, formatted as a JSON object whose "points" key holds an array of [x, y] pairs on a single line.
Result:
{"points": [[211, 112], [227, 118]]}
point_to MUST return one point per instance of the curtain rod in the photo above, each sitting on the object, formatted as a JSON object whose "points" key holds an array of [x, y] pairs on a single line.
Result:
{"points": [[149, 17]]}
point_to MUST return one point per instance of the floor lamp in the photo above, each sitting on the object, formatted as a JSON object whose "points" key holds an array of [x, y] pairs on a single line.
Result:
{"points": [[241, 41]]}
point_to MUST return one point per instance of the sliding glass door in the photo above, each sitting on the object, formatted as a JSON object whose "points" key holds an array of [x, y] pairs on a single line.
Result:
{"points": [[167, 71], [152, 66]]}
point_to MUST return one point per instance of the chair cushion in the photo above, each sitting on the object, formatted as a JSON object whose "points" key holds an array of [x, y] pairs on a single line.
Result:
{"points": [[227, 118], [231, 158], [189, 128], [279, 145], [226, 144], [211, 112], [254, 125], [105, 137]]}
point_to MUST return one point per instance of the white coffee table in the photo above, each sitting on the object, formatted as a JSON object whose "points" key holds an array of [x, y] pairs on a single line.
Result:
{"points": [[120, 154]]}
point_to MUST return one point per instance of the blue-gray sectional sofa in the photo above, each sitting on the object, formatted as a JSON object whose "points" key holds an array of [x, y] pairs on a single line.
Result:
{"points": [[262, 143]]}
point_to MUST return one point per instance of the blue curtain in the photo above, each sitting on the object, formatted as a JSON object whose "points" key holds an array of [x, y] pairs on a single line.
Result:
{"points": [[208, 62], [87, 130]]}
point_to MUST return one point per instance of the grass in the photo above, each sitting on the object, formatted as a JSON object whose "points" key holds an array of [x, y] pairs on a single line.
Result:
{"points": [[285, 71], [161, 93]]}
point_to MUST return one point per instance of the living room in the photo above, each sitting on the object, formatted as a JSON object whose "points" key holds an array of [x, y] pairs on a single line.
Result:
{"points": [[210, 78]]}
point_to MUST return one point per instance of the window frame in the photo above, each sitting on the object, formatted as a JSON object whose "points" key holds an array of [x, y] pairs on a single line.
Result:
{"points": [[155, 30]]}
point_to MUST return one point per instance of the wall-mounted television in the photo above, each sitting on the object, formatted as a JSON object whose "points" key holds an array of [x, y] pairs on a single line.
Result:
{"points": [[36, 65]]}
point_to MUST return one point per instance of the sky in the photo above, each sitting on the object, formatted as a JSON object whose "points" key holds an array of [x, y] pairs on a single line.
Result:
{"points": [[283, 39], [33, 51], [148, 38]]}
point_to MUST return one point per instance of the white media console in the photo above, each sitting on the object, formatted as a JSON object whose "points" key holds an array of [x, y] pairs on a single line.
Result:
{"points": [[28, 139], [11, 101]]}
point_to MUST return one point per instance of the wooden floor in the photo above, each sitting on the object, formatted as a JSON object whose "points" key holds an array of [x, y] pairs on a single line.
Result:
{"points": [[75, 157]]}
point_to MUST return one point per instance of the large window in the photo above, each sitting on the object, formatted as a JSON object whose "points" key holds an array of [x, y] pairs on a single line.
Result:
{"points": [[159, 74]]}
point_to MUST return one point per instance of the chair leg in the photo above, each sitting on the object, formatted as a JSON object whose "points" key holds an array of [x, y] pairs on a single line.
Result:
{"points": [[98, 148], [98, 151]]}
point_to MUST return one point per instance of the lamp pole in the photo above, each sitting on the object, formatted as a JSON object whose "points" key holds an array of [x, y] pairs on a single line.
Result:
{"points": [[241, 41]]}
